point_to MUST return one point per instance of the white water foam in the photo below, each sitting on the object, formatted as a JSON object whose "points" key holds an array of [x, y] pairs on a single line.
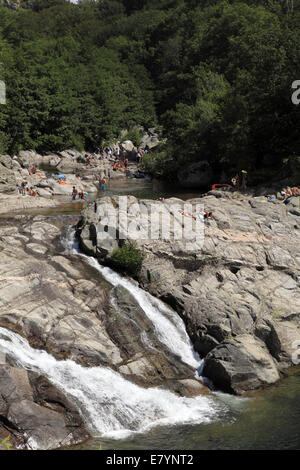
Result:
{"points": [[168, 325], [109, 404]]}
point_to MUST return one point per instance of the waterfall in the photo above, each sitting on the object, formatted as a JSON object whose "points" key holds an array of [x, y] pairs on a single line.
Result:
{"points": [[169, 327], [110, 405]]}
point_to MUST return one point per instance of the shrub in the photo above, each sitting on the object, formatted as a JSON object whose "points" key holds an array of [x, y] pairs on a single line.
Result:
{"points": [[135, 135], [128, 258]]}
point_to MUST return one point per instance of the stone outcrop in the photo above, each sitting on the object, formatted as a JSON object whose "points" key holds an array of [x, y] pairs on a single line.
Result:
{"points": [[145, 359], [18, 203], [34, 414], [12, 4], [7, 177], [237, 290]]}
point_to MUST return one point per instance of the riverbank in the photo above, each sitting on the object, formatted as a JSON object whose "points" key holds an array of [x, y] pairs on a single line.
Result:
{"points": [[42, 179]]}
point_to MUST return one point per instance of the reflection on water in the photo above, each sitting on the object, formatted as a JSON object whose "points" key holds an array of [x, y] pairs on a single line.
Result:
{"points": [[149, 189], [140, 188]]}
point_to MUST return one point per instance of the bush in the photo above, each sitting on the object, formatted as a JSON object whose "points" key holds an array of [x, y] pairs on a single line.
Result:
{"points": [[159, 163], [128, 258], [134, 135]]}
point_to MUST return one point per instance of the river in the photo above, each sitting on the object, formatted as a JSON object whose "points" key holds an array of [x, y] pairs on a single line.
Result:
{"points": [[123, 416]]}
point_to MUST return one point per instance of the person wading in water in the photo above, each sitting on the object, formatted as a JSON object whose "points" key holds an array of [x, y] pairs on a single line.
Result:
{"points": [[103, 183]]}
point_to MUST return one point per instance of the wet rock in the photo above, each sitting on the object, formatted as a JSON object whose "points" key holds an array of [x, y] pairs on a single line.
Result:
{"points": [[145, 359]]}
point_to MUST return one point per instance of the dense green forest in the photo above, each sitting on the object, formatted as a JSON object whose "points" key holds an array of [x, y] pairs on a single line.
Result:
{"points": [[215, 75]]}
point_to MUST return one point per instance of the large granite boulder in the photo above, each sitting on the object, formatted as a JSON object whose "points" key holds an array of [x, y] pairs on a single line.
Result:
{"points": [[30, 157], [12, 4], [241, 364], [145, 359], [127, 145]]}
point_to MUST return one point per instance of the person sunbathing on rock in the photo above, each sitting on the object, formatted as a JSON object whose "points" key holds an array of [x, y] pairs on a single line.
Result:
{"points": [[188, 214], [205, 215], [208, 215], [32, 192], [287, 192]]}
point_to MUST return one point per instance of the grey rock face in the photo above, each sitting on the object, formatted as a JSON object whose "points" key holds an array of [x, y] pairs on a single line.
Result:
{"points": [[11, 4], [34, 413], [238, 293], [7, 178]]}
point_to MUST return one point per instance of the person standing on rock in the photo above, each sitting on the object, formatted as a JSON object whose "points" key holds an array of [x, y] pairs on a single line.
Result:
{"points": [[236, 182], [23, 186], [244, 181], [74, 193]]}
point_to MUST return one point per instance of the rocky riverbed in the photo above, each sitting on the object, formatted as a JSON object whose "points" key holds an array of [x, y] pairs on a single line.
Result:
{"points": [[48, 187], [239, 294]]}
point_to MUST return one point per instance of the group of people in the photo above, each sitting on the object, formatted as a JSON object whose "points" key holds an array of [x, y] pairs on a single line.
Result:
{"points": [[121, 156], [290, 192], [24, 190], [78, 194], [120, 164]]}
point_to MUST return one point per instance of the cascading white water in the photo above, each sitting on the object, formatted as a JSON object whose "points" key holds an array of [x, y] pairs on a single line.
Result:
{"points": [[109, 404], [169, 327]]}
